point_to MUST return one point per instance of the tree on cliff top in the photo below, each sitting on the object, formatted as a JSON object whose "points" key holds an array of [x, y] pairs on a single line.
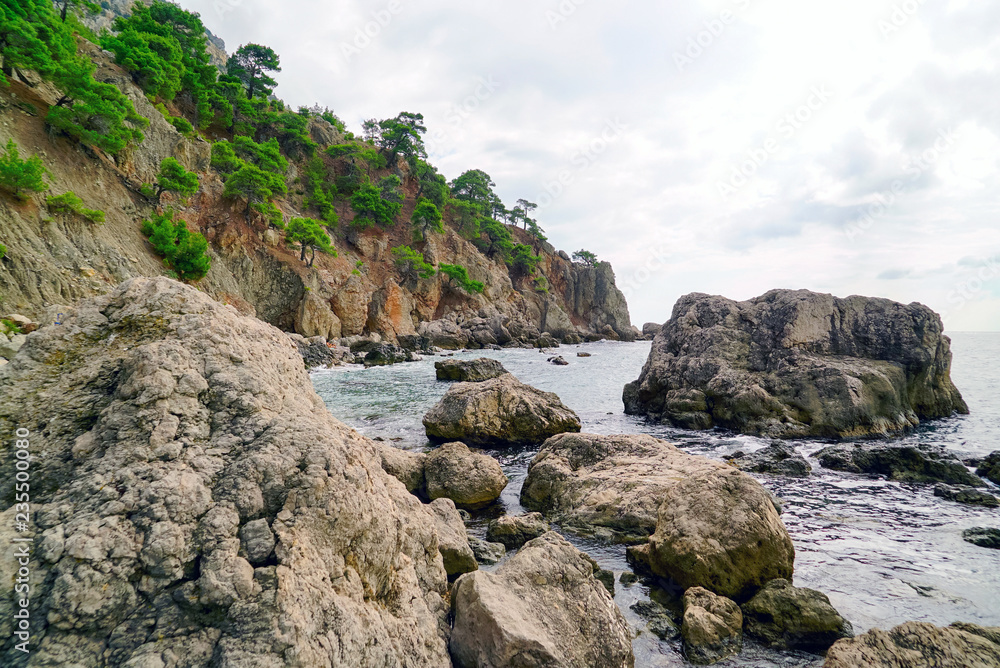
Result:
{"points": [[476, 186], [586, 257], [250, 65], [402, 136], [309, 234]]}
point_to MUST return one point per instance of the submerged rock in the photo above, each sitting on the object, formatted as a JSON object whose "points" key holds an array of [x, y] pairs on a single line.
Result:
{"points": [[659, 621], [513, 531], [909, 463], [966, 494], [485, 551], [713, 627], [915, 645], [788, 617], [983, 537], [989, 468], [779, 458], [181, 439], [501, 411], [794, 363], [470, 479], [542, 607], [469, 371]]}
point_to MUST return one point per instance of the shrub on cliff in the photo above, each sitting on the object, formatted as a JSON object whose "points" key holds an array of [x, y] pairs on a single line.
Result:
{"points": [[3, 251], [183, 251], [174, 178], [402, 136], [411, 263], [460, 276], [70, 203], [371, 205], [523, 261], [20, 176], [310, 235], [426, 219], [586, 257]]}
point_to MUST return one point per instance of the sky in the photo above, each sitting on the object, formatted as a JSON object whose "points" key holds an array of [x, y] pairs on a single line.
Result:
{"points": [[725, 146]]}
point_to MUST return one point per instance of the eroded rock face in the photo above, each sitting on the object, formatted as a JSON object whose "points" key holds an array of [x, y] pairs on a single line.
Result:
{"points": [[712, 628], [609, 485], [720, 531], [501, 412], [788, 617], [910, 463], [469, 371], [470, 479], [915, 645], [794, 363], [193, 478], [543, 607]]}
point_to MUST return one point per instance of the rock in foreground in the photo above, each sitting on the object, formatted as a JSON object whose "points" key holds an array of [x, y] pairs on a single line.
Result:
{"points": [[990, 467], [914, 645], [908, 463], [713, 627], [453, 542], [470, 479], [499, 412], [543, 607], [179, 437], [794, 363], [788, 617], [469, 371]]}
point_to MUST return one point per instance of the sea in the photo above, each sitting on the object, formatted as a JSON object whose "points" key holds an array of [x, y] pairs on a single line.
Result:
{"points": [[885, 552]]}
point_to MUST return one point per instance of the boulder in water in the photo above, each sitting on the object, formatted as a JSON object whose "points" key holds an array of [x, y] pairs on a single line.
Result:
{"points": [[908, 463], [778, 458], [712, 628], [915, 645], [513, 531], [501, 412], [966, 494], [469, 371], [542, 607], [788, 617], [485, 551], [983, 537], [470, 479], [794, 363], [989, 468]]}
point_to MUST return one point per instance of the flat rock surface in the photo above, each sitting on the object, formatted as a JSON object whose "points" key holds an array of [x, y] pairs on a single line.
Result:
{"points": [[909, 463], [469, 371], [915, 645]]}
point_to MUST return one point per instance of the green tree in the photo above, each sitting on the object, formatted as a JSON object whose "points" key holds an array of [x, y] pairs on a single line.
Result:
{"points": [[309, 234], [250, 64], [494, 239], [174, 178], [32, 38], [183, 251], [522, 212], [266, 155], [20, 176], [475, 186], [523, 261], [432, 185], [256, 187], [426, 219], [224, 158], [586, 257], [402, 136], [371, 208], [465, 216], [320, 193], [390, 189], [460, 277], [91, 7], [70, 202], [411, 264]]}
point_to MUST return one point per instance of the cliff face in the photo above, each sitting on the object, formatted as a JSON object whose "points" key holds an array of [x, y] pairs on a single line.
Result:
{"points": [[794, 363], [56, 259]]}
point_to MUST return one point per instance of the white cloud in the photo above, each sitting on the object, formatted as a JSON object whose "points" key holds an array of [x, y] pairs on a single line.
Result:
{"points": [[898, 74]]}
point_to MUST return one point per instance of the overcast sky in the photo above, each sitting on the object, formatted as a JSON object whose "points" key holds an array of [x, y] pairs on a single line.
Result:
{"points": [[726, 147]]}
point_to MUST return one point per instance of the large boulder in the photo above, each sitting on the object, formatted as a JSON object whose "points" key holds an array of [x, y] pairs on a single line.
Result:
{"points": [[720, 531], [909, 463], [915, 645], [501, 411], [712, 628], [611, 486], [650, 330], [542, 607], [794, 363], [443, 334], [470, 479], [788, 617], [405, 466], [469, 371], [180, 440], [453, 541], [513, 531]]}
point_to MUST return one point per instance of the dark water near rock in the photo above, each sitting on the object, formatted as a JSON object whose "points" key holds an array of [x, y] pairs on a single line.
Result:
{"points": [[884, 552]]}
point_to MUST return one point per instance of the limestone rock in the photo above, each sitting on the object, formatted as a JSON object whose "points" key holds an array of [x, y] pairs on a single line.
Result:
{"points": [[989, 468], [914, 645], [384, 354], [542, 607], [513, 531], [794, 363], [613, 486], [314, 318], [453, 542], [470, 479], [983, 537], [788, 617], [485, 551], [176, 432], [469, 371], [501, 411], [712, 628], [779, 458], [350, 304], [443, 334], [650, 330], [720, 531], [405, 466], [966, 494], [10, 345], [910, 463]]}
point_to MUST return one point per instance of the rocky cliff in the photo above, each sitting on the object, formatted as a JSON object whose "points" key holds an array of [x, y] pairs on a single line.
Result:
{"points": [[794, 363], [58, 259]]}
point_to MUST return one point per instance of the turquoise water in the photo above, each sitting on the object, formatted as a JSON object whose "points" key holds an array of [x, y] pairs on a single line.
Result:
{"points": [[884, 552]]}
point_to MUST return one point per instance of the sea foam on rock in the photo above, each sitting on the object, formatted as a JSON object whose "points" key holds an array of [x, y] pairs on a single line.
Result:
{"points": [[180, 440], [795, 364]]}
